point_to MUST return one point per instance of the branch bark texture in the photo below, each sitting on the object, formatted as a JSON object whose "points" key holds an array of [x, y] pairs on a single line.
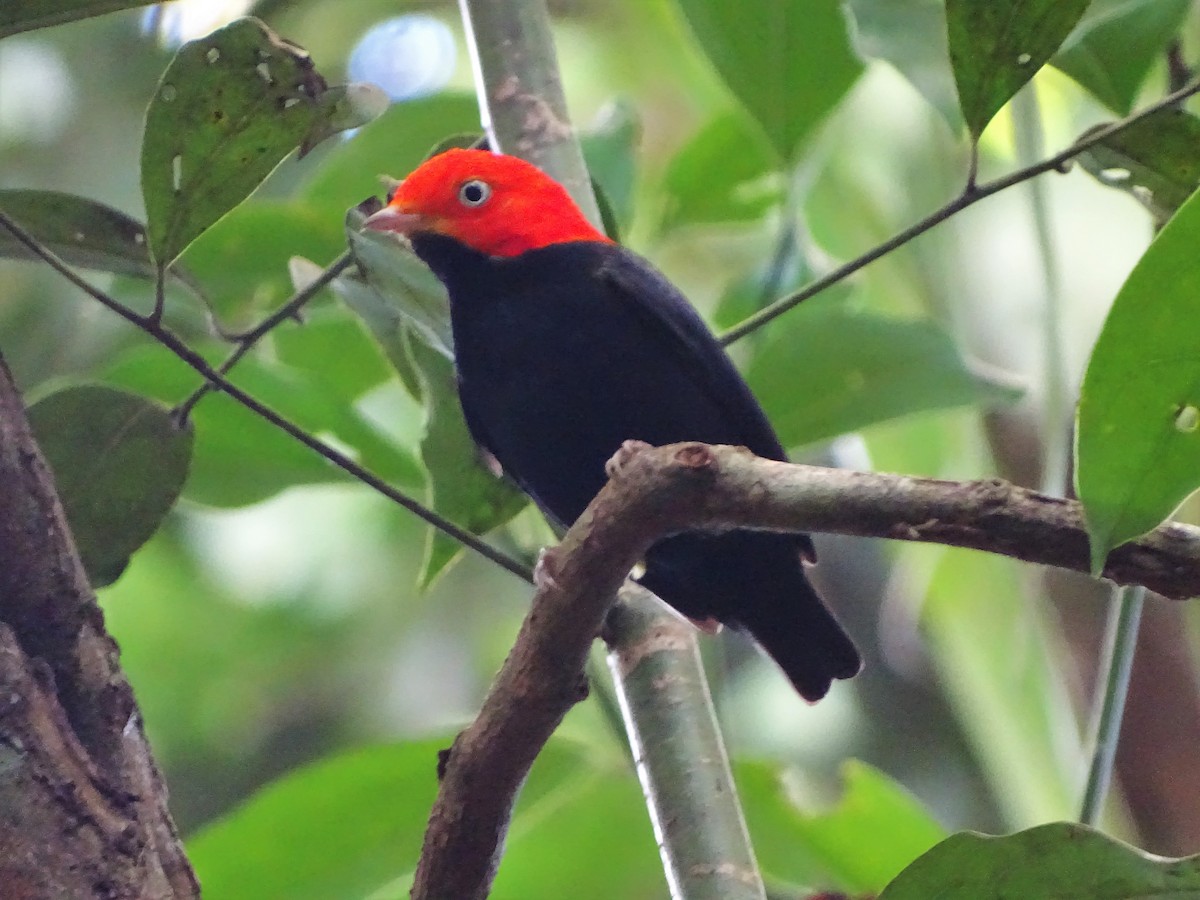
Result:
{"points": [[83, 808], [662, 490]]}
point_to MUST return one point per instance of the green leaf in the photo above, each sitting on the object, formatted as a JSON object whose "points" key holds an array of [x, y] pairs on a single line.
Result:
{"points": [[240, 458], [242, 260], [1154, 160], [803, 847], [911, 35], [580, 830], [351, 827], [406, 308], [1137, 446], [84, 233], [404, 282], [394, 144], [1113, 48], [832, 370], [608, 149], [1001, 669], [25, 15], [788, 62], [344, 108], [1060, 860], [332, 347], [385, 323], [226, 112], [337, 828], [995, 48], [461, 488], [119, 463], [725, 173]]}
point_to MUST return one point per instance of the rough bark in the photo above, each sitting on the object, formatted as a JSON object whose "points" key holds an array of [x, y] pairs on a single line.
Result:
{"points": [[83, 811]]}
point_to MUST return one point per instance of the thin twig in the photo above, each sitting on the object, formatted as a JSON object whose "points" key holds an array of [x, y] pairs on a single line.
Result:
{"points": [[247, 339], [969, 197], [218, 381]]}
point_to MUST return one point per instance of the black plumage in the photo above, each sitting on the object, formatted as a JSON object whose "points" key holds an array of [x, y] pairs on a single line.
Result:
{"points": [[566, 351]]}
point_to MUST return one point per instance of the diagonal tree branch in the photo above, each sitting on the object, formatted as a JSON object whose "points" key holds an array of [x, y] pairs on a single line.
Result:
{"points": [[659, 491]]}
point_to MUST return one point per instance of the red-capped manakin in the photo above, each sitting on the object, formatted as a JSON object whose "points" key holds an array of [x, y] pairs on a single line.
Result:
{"points": [[566, 345]]}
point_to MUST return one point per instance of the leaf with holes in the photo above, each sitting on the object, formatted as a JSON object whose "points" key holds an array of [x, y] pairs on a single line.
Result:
{"points": [[1137, 454], [226, 112], [1154, 160], [995, 48], [1060, 860], [789, 62], [119, 461], [84, 233]]}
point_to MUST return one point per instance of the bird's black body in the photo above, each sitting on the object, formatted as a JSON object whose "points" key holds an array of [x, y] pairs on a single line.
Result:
{"points": [[563, 353]]}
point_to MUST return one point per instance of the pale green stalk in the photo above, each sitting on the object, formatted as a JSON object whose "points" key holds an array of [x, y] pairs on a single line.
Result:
{"points": [[665, 702]]}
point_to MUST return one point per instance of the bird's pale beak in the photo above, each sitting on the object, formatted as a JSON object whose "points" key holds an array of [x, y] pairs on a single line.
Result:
{"points": [[391, 219]]}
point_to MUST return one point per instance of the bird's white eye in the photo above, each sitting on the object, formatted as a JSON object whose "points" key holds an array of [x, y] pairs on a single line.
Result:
{"points": [[474, 192]]}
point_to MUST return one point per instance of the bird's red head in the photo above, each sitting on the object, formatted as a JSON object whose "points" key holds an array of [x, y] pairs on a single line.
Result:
{"points": [[498, 205]]}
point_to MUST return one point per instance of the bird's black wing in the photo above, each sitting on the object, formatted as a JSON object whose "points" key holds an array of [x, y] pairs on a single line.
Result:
{"points": [[679, 330]]}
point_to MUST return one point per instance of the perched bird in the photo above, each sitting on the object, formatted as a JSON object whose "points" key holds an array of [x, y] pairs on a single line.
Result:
{"points": [[566, 345]]}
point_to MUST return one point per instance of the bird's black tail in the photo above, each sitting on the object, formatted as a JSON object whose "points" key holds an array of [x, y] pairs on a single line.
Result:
{"points": [[755, 582], [791, 623]]}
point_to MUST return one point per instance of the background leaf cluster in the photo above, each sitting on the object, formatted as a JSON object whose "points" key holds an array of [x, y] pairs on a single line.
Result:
{"points": [[319, 632]]}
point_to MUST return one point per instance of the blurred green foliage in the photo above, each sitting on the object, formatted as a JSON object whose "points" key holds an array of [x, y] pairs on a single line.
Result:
{"points": [[274, 625]]}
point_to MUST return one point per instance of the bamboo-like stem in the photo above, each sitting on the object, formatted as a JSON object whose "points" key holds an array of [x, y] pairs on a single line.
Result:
{"points": [[524, 112], [706, 856], [1125, 617]]}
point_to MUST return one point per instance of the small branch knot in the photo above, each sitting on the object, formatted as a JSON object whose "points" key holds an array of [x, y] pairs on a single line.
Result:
{"points": [[623, 457], [695, 456], [993, 493]]}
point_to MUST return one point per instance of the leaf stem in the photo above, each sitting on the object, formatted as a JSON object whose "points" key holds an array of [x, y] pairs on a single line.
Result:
{"points": [[971, 195]]}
